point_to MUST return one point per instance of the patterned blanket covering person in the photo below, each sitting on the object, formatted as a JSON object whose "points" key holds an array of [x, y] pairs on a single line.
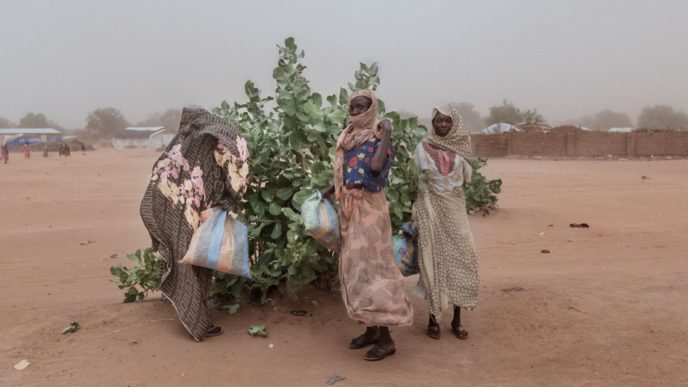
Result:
{"points": [[204, 166]]}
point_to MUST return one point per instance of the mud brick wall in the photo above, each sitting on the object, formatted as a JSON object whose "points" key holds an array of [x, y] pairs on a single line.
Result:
{"points": [[661, 143], [581, 144]]}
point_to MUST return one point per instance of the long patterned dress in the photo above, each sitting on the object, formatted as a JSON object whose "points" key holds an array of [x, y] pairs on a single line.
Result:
{"points": [[372, 286], [447, 258]]}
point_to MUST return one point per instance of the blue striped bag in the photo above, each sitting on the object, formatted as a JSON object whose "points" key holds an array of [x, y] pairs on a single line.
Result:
{"points": [[220, 243], [321, 220]]}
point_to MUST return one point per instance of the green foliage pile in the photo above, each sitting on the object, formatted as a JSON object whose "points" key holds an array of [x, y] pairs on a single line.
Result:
{"points": [[141, 279], [481, 193]]}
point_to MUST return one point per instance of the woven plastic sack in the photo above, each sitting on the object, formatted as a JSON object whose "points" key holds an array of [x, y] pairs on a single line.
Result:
{"points": [[220, 243], [321, 220]]}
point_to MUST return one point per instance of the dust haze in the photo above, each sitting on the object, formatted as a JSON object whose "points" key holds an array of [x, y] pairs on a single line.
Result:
{"points": [[570, 60]]}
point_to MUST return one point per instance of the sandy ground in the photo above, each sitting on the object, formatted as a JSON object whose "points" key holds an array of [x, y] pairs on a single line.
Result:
{"points": [[607, 306]]}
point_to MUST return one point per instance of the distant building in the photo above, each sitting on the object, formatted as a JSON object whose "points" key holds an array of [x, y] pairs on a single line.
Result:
{"points": [[142, 137], [500, 128], [620, 130], [30, 136]]}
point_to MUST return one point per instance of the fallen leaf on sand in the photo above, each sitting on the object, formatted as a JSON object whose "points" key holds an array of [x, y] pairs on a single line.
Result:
{"points": [[514, 289], [571, 307], [73, 327], [579, 225], [258, 330], [334, 379], [21, 365]]}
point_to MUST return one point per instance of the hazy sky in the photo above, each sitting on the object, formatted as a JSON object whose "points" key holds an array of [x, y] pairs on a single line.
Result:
{"points": [[566, 58]]}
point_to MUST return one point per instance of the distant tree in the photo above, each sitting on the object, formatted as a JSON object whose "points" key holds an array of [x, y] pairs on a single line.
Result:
{"points": [[606, 119], [532, 117], [34, 120], [507, 112], [471, 118], [5, 123], [169, 119], [662, 117], [105, 122]]}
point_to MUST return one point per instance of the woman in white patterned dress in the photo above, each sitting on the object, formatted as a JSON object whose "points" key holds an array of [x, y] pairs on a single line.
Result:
{"points": [[447, 259]]}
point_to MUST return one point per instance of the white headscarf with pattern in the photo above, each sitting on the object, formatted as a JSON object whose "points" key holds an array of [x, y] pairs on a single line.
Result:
{"points": [[457, 140]]}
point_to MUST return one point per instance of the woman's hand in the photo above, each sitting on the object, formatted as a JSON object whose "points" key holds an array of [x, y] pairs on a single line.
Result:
{"points": [[385, 128], [380, 157]]}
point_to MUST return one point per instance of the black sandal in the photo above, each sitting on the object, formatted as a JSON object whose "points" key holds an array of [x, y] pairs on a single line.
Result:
{"points": [[364, 341], [380, 351], [459, 332], [213, 331], [433, 331]]}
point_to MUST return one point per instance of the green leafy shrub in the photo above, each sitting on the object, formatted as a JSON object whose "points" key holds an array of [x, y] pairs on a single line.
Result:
{"points": [[292, 153], [481, 193], [141, 279]]}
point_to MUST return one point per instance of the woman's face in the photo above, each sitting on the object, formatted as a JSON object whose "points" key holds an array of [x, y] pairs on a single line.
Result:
{"points": [[359, 105], [442, 124]]}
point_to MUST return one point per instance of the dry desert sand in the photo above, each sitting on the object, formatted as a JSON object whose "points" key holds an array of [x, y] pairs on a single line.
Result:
{"points": [[607, 306]]}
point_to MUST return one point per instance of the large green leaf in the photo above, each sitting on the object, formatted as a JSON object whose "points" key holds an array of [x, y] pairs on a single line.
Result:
{"points": [[297, 140], [284, 193], [337, 116], [290, 214], [300, 197], [274, 209], [276, 231], [267, 194]]}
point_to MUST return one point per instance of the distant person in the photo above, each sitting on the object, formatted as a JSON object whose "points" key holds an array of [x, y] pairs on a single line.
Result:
{"points": [[27, 151], [5, 153], [447, 259], [83, 148], [4, 146], [197, 172], [372, 286], [45, 151], [67, 151]]}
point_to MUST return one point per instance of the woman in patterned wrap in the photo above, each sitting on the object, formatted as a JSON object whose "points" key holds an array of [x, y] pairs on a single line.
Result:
{"points": [[204, 166], [447, 259], [372, 286]]}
